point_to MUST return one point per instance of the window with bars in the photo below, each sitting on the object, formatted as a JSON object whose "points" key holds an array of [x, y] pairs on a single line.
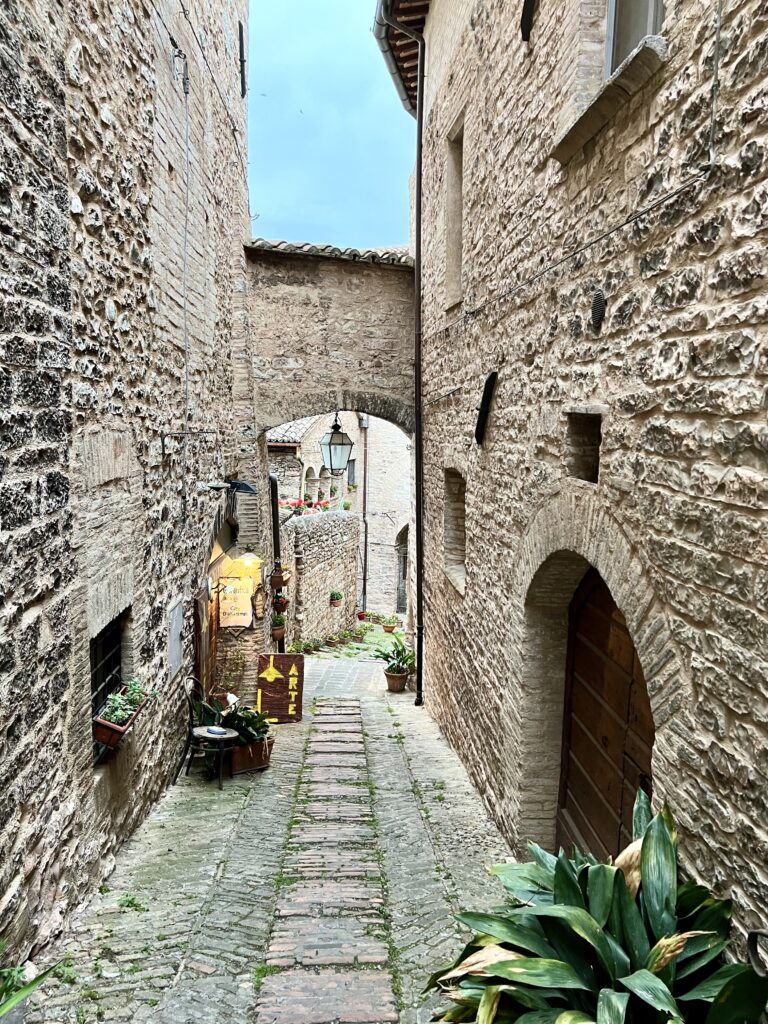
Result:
{"points": [[106, 670], [629, 22], [352, 472]]}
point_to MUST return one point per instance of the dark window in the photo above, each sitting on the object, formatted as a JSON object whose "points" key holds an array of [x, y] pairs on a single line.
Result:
{"points": [[629, 22], [106, 670], [351, 472], [454, 219], [585, 435]]}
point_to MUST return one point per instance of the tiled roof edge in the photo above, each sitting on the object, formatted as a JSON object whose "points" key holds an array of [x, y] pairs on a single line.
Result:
{"points": [[392, 257]]}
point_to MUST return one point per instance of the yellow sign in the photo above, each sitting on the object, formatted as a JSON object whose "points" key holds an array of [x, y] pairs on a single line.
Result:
{"points": [[235, 608]]}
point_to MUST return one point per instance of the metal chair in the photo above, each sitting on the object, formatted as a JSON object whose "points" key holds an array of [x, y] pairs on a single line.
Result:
{"points": [[200, 740]]}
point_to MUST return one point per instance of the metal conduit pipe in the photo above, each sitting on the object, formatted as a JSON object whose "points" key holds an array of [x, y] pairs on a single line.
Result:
{"points": [[384, 19]]}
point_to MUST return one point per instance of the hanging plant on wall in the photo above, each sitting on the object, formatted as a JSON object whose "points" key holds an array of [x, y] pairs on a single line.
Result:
{"points": [[336, 598], [590, 943]]}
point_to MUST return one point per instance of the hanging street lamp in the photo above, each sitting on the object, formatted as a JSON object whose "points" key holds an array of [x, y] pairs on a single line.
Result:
{"points": [[336, 447]]}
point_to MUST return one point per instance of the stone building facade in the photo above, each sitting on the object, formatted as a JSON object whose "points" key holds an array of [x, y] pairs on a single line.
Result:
{"points": [[124, 210], [376, 487], [629, 452]]}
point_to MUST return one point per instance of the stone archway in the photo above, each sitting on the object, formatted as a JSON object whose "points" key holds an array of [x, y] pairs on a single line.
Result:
{"points": [[570, 534]]}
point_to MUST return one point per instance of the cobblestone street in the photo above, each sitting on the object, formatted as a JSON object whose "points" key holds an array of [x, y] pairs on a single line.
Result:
{"points": [[322, 890]]}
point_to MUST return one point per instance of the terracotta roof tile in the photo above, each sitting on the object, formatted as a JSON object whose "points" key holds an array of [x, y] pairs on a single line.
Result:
{"points": [[396, 257]]}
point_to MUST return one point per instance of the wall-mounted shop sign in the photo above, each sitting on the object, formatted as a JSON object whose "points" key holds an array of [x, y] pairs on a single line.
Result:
{"points": [[235, 608], [280, 687]]}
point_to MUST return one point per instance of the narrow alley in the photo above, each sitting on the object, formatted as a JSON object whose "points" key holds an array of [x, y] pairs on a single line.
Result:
{"points": [[322, 889]]}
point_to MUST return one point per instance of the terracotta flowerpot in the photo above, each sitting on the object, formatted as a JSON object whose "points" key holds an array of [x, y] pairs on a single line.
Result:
{"points": [[253, 757], [331, 643], [335, 604], [112, 735], [396, 681], [389, 629], [361, 616], [280, 604], [278, 580], [317, 647], [278, 632]]}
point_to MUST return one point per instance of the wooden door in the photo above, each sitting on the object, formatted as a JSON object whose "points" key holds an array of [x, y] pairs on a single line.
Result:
{"points": [[608, 728]]}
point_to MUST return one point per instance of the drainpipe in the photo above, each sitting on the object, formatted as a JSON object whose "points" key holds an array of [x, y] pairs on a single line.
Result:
{"points": [[273, 501], [363, 421], [384, 18]]}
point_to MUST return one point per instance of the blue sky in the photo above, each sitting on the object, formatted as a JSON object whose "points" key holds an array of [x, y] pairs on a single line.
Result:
{"points": [[330, 146]]}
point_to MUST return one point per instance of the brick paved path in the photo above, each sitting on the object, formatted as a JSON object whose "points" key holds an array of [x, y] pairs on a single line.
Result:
{"points": [[322, 890]]}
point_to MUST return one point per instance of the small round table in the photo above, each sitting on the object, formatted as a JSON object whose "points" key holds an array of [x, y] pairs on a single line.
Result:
{"points": [[223, 742]]}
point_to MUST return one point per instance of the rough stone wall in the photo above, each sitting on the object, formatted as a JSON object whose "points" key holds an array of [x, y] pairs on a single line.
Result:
{"points": [[329, 333], [389, 508], [94, 520], [287, 466], [323, 552], [677, 522]]}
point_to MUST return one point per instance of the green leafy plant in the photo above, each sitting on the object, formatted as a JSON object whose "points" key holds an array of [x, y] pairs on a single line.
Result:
{"points": [[251, 726], [14, 988], [590, 943], [400, 660], [308, 647], [334, 491], [296, 648], [278, 619], [346, 505], [130, 902], [389, 620], [336, 595]]}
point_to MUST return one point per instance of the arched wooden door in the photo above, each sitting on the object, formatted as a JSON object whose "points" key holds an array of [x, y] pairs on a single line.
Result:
{"points": [[608, 728]]}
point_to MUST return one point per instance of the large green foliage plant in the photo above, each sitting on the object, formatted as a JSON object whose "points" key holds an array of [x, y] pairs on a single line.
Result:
{"points": [[584, 942]]}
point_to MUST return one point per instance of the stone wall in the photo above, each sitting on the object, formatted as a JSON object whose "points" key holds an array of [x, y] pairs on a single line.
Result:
{"points": [[389, 491], [677, 521], [105, 324], [328, 333], [322, 551], [389, 508]]}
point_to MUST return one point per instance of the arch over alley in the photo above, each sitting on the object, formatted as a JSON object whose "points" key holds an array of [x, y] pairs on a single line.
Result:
{"points": [[330, 328]]}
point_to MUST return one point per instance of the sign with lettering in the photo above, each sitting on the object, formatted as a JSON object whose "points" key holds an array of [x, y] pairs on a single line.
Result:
{"points": [[280, 687], [235, 608]]}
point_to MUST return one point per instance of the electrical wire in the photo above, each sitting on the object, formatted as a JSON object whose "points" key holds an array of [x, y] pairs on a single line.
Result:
{"points": [[235, 130], [701, 176]]}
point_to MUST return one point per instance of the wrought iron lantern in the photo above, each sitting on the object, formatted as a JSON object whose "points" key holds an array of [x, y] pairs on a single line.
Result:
{"points": [[336, 447]]}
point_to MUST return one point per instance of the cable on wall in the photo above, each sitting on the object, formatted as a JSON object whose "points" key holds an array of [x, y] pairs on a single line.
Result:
{"points": [[703, 175]]}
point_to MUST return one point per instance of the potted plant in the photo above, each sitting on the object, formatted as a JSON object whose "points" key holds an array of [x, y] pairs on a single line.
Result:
{"points": [[280, 578], [308, 647], [308, 500], [278, 627], [346, 505], [390, 624], [336, 598], [361, 616], [280, 603], [317, 644], [334, 490], [400, 662], [254, 747], [119, 713], [332, 641], [346, 636], [629, 941], [295, 648]]}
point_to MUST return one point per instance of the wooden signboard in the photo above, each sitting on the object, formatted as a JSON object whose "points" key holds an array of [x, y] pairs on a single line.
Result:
{"points": [[235, 608], [280, 687]]}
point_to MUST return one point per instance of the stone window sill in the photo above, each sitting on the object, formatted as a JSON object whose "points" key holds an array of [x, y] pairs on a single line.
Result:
{"points": [[629, 78], [457, 574]]}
